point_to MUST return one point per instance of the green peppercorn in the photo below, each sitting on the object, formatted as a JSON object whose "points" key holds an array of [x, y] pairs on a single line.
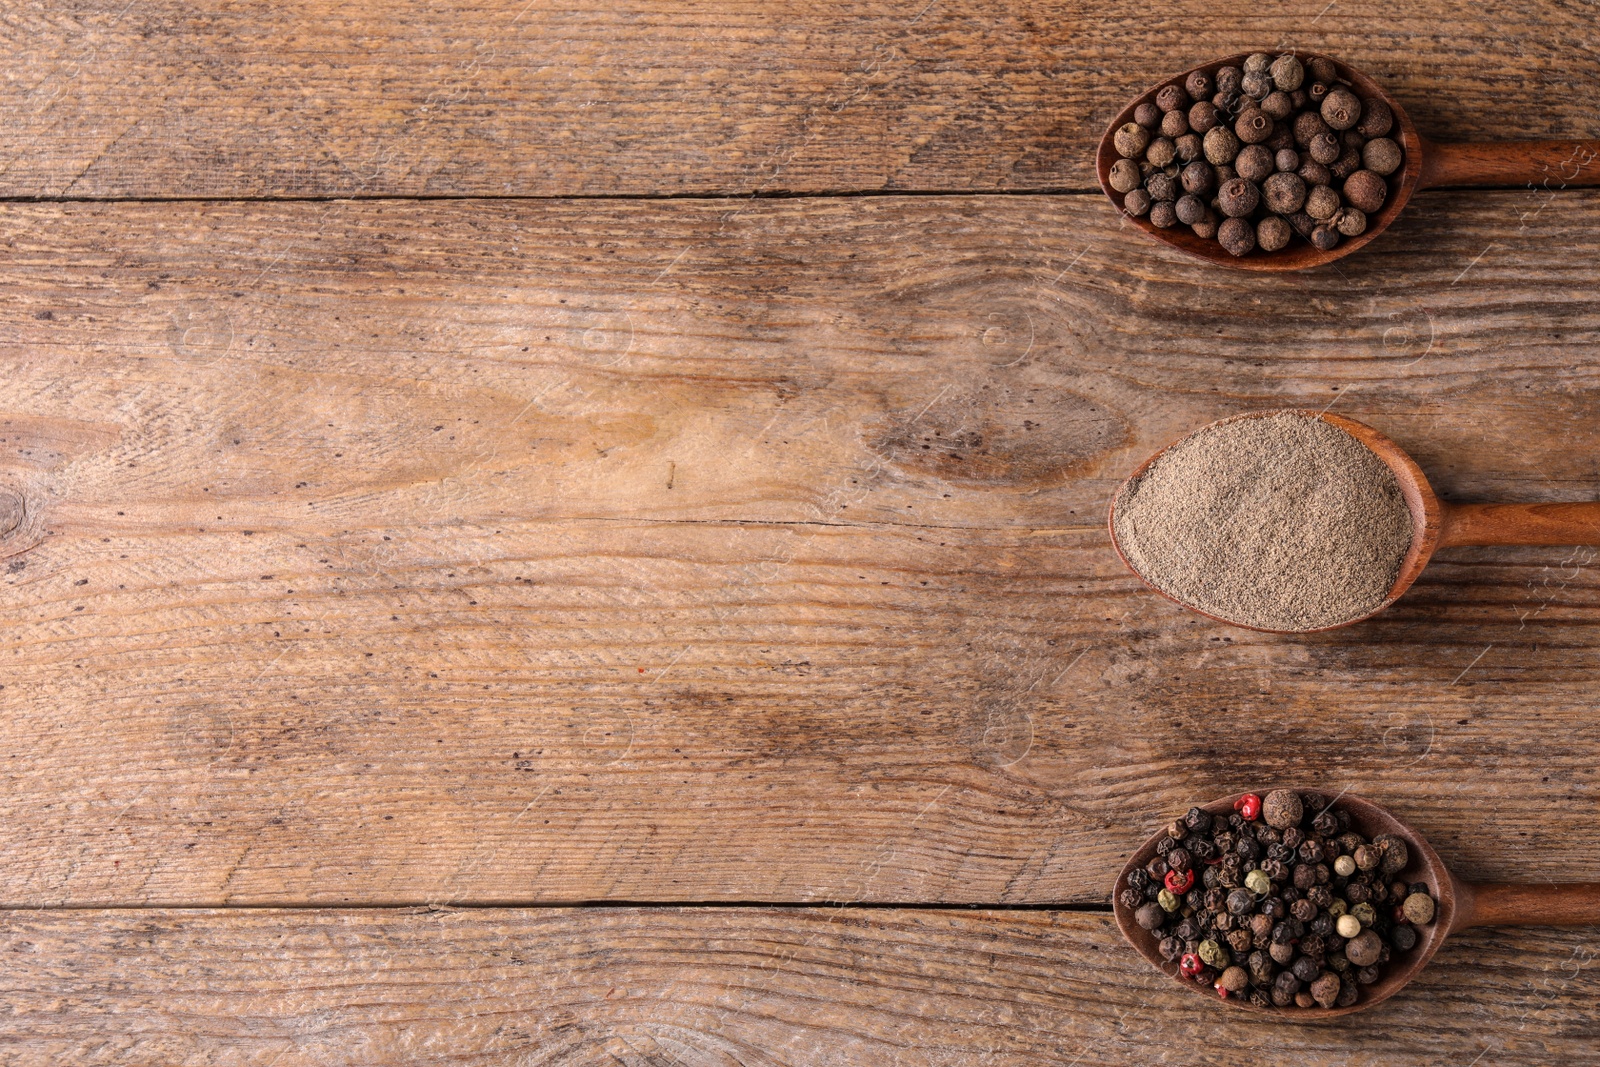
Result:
{"points": [[1381, 156], [1287, 73], [1212, 954], [1131, 140], [1168, 899], [1258, 882], [1365, 913]]}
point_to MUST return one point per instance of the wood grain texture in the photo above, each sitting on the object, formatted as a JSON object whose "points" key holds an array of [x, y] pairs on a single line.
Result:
{"points": [[557, 551], [163, 98], [759, 987]]}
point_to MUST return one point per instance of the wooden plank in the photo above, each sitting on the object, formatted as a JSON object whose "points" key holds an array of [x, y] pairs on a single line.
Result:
{"points": [[673, 605], [510, 97], [717, 986]]}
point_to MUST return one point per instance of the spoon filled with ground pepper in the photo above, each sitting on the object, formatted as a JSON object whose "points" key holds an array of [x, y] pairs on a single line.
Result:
{"points": [[1309, 904], [1278, 162], [1296, 521]]}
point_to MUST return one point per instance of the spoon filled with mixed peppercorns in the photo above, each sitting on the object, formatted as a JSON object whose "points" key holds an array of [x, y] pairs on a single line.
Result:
{"points": [[1285, 161], [1309, 904]]}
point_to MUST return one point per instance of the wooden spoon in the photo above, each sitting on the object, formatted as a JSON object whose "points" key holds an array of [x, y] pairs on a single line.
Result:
{"points": [[1435, 523], [1428, 165], [1460, 905]]}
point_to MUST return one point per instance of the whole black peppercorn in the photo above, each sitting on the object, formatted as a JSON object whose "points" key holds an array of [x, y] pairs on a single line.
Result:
{"points": [[1253, 125], [1381, 156], [1228, 78], [1202, 116], [1280, 852], [1306, 970], [1285, 194], [1341, 109], [1131, 139], [1221, 145], [1376, 119], [1239, 198], [1281, 952], [1324, 237], [1199, 84], [1172, 97], [1287, 160], [1278, 105], [1241, 902], [1189, 147], [1170, 948], [1138, 879], [1253, 163], [1174, 124], [1273, 908], [1305, 875], [1163, 215], [1191, 209], [1179, 859], [1131, 898], [1168, 843], [1248, 848], [1302, 909]]}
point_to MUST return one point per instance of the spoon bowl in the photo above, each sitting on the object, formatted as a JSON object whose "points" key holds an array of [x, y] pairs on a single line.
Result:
{"points": [[1426, 165], [1434, 523], [1459, 905]]}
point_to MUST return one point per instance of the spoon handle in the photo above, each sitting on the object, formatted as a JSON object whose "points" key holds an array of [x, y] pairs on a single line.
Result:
{"points": [[1535, 164], [1521, 524], [1503, 904]]}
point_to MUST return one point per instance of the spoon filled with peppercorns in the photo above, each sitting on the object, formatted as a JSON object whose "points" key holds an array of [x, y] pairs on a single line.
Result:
{"points": [[1310, 904], [1282, 162]]}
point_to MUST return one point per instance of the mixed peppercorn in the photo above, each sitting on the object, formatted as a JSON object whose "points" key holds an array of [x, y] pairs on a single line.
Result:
{"points": [[1250, 156], [1281, 903]]}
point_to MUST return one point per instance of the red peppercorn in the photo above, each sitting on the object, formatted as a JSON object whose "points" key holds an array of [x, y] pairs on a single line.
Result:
{"points": [[1189, 965], [1179, 883], [1248, 805]]}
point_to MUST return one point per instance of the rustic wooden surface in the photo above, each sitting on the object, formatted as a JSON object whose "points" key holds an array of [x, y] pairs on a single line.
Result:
{"points": [[538, 552], [159, 98], [758, 987]]}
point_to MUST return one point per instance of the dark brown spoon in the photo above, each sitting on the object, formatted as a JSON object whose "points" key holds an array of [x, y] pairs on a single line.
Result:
{"points": [[1428, 165], [1460, 905], [1435, 523]]}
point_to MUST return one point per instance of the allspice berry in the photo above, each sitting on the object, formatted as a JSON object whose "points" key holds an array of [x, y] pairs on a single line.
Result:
{"points": [[1284, 193], [1131, 140], [1221, 145], [1253, 163], [1381, 156], [1350, 221], [1137, 202], [1252, 126], [1322, 202], [1202, 116], [1257, 63], [1234, 979], [1287, 73], [1278, 105], [1365, 190], [1189, 147], [1256, 84], [1341, 109], [1198, 178], [1191, 209], [1174, 124], [1324, 238], [1324, 147], [1307, 125], [1172, 97], [1237, 236], [1162, 152], [1364, 949], [1199, 84], [1125, 175], [1286, 160], [1163, 216], [1418, 909], [1163, 187], [1376, 119], [1273, 233], [1206, 227], [1228, 79], [1325, 990], [1150, 916], [1346, 165], [1282, 808], [1238, 198], [1313, 173], [1147, 115]]}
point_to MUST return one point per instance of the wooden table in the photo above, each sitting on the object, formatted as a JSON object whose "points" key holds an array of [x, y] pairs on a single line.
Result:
{"points": [[572, 534]]}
